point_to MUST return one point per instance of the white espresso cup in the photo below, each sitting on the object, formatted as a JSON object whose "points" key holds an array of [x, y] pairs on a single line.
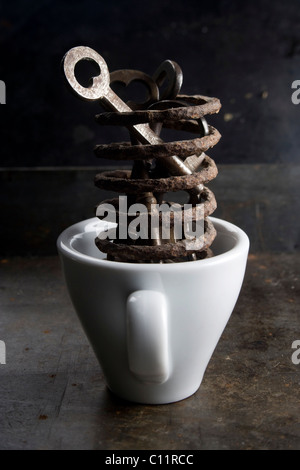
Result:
{"points": [[153, 327]]}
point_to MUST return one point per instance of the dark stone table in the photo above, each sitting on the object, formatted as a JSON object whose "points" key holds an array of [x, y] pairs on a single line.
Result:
{"points": [[53, 395]]}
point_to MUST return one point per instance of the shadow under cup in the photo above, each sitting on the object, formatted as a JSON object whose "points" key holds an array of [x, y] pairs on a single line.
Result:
{"points": [[153, 327]]}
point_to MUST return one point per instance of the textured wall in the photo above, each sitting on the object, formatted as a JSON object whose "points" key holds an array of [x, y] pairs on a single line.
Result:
{"points": [[247, 53]]}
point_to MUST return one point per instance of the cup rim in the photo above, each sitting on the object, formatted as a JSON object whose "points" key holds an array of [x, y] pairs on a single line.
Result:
{"points": [[65, 248]]}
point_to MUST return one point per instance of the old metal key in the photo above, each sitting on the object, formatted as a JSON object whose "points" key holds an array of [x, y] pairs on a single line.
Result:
{"points": [[100, 90]]}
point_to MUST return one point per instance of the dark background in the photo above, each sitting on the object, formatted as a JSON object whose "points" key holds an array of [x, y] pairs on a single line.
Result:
{"points": [[247, 53]]}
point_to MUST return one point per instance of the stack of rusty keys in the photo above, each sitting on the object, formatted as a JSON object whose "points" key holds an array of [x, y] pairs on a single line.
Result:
{"points": [[158, 167]]}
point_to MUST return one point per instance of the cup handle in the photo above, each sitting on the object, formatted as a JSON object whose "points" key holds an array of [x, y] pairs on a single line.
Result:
{"points": [[147, 336]]}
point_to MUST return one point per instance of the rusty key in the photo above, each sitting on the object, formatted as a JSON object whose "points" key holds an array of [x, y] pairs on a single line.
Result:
{"points": [[100, 90]]}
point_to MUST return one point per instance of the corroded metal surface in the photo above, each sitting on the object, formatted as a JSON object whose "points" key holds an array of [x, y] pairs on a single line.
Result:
{"points": [[121, 181], [159, 166]]}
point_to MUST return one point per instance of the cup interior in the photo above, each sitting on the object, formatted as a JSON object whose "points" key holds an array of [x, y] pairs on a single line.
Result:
{"points": [[225, 240], [80, 238], [84, 242]]}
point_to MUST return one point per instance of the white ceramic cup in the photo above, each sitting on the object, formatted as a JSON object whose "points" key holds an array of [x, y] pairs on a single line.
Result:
{"points": [[153, 327]]}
